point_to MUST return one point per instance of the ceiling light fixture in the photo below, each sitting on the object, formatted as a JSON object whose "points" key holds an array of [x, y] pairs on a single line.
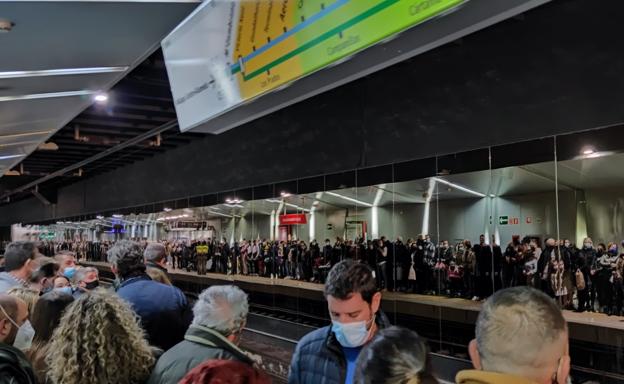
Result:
{"points": [[438, 180], [220, 214], [350, 199], [117, 216], [25, 134], [60, 72], [286, 194], [588, 151], [35, 96], [233, 201], [10, 157], [99, 217], [167, 209], [100, 98]]}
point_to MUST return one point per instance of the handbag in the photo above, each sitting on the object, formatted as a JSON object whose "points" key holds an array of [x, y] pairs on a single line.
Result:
{"points": [[580, 280], [412, 273]]}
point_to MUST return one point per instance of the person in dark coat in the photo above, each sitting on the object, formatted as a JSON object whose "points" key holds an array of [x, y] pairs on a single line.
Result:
{"points": [[484, 269], [328, 355], [163, 309], [220, 314]]}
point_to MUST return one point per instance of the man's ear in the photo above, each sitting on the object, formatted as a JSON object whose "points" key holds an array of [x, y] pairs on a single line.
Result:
{"points": [[474, 355], [376, 302], [114, 269]]}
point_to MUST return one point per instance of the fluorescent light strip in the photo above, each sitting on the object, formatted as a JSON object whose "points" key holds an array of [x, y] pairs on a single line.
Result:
{"points": [[19, 143], [288, 204], [35, 96], [438, 180], [60, 72], [350, 199], [10, 157], [220, 214], [25, 134]]}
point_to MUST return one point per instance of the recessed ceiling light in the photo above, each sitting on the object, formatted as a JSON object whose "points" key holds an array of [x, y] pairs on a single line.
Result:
{"points": [[101, 98]]}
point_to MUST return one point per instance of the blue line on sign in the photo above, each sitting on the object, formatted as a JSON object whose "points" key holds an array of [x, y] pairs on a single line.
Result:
{"points": [[297, 28]]}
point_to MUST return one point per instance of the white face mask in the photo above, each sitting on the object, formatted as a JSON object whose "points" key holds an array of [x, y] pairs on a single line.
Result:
{"points": [[24, 336], [25, 333], [352, 335]]}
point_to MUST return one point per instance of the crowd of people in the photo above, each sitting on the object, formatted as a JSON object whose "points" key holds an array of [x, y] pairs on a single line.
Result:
{"points": [[59, 325], [589, 278]]}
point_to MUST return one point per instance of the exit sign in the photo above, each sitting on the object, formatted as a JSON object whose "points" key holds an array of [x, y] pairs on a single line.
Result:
{"points": [[503, 220]]}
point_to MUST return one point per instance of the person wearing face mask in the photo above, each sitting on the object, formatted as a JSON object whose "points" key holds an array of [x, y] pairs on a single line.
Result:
{"points": [[86, 279], [604, 274], [618, 283], [19, 263], [329, 354], [510, 349], [67, 263], [24, 337], [42, 279], [14, 367], [584, 261], [220, 315]]}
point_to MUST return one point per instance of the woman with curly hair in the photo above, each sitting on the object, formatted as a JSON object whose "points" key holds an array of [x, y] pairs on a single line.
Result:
{"points": [[99, 340]]}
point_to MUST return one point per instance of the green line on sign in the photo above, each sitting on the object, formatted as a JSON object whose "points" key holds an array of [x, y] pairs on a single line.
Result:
{"points": [[319, 39]]}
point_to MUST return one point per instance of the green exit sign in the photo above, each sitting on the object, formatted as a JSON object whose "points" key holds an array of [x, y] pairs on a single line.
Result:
{"points": [[503, 220]]}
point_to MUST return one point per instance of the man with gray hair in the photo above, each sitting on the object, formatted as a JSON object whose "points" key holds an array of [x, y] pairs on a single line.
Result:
{"points": [[521, 338], [220, 314], [156, 257]]}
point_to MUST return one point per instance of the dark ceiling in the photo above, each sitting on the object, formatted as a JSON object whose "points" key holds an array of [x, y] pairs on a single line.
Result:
{"points": [[138, 103]]}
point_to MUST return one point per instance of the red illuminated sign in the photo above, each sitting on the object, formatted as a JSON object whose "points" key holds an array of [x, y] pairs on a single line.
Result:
{"points": [[293, 219]]}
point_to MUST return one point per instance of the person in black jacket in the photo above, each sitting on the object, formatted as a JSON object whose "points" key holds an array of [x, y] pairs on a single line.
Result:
{"points": [[329, 354], [484, 269], [585, 260]]}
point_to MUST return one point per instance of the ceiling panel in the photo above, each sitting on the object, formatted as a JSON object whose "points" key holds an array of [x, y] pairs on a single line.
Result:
{"points": [[56, 34]]}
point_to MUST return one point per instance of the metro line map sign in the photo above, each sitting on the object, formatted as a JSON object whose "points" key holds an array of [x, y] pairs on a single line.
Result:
{"points": [[229, 52]]}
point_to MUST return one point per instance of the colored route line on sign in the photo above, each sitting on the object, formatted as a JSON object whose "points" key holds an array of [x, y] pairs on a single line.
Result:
{"points": [[321, 38], [235, 68]]}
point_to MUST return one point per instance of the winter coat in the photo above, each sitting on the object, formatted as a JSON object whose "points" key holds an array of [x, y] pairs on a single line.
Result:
{"points": [[200, 344], [319, 357], [163, 309]]}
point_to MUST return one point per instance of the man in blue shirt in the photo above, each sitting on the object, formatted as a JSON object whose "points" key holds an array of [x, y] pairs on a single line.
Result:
{"points": [[163, 309], [328, 355]]}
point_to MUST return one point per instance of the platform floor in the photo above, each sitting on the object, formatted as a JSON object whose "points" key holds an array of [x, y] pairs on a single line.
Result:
{"points": [[585, 318]]}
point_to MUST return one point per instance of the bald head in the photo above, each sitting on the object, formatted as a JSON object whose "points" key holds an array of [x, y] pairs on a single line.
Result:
{"points": [[520, 331]]}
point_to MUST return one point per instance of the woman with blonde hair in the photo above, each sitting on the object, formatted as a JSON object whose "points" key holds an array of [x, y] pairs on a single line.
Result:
{"points": [[99, 340]]}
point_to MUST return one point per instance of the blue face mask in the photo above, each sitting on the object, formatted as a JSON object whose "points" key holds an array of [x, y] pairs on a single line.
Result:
{"points": [[67, 290], [69, 272], [352, 335]]}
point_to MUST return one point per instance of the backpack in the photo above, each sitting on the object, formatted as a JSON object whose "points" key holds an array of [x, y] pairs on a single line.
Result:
{"points": [[580, 280]]}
